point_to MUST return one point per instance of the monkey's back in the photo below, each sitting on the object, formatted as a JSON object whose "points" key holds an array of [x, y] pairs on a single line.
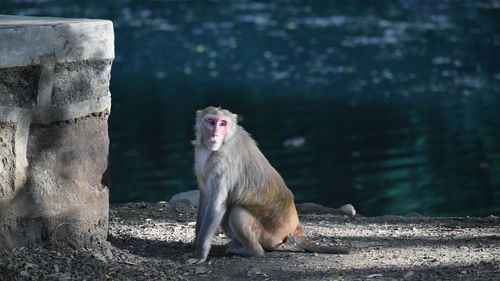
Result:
{"points": [[261, 189]]}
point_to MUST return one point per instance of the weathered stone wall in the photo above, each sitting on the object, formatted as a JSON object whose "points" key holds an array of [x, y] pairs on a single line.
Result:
{"points": [[54, 106]]}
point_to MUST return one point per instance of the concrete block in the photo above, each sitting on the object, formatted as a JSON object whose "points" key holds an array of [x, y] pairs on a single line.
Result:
{"points": [[79, 81], [18, 85], [36, 40], [7, 159], [54, 107]]}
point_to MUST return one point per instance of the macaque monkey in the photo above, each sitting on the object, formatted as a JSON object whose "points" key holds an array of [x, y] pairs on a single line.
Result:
{"points": [[241, 191]]}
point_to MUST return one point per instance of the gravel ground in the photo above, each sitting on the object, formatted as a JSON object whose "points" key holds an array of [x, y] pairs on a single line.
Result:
{"points": [[150, 241]]}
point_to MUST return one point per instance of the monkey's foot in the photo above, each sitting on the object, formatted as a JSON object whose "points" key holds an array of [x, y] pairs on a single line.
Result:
{"points": [[234, 247], [196, 260]]}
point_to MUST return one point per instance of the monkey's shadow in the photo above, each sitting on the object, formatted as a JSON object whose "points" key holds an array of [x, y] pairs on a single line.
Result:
{"points": [[155, 248], [176, 251]]}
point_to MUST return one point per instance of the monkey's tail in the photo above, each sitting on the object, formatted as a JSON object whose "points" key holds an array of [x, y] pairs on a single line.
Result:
{"points": [[313, 247]]}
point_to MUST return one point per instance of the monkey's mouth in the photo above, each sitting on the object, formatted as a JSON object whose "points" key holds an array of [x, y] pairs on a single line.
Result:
{"points": [[212, 141]]}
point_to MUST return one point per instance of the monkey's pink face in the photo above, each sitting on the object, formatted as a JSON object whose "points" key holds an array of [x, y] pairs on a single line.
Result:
{"points": [[216, 129]]}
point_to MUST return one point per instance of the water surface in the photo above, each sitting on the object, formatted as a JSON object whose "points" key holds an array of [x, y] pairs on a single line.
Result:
{"points": [[392, 106]]}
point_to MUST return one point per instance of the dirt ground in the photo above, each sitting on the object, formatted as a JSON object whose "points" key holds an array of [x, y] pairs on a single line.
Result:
{"points": [[150, 241]]}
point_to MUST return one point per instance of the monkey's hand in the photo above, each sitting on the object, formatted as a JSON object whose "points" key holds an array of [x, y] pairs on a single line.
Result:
{"points": [[196, 260]]}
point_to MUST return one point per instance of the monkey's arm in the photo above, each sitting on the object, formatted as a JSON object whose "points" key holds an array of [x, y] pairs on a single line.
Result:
{"points": [[208, 222], [202, 207]]}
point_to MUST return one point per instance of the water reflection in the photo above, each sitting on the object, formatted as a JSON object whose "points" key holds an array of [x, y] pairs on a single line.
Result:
{"points": [[391, 106]]}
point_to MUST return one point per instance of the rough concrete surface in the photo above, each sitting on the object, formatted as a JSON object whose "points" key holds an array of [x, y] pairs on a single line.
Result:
{"points": [[79, 81], [7, 160], [37, 40], [18, 85], [54, 106]]}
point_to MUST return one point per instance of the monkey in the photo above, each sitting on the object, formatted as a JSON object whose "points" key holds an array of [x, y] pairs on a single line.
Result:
{"points": [[241, 192]]}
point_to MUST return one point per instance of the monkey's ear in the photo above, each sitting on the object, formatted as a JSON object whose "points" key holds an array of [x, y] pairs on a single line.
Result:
{"points": [[199, 115]]}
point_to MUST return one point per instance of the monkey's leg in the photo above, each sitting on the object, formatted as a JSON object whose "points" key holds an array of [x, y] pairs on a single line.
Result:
{"points": [[225, 226], [246, 231], [234, 247]]}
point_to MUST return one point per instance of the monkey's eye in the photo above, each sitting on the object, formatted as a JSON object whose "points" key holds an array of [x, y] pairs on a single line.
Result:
{"points": [[223, 123], [211, 122]]}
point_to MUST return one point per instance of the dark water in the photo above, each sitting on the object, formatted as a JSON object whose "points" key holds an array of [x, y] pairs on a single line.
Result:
{"points": [[393, 106]]}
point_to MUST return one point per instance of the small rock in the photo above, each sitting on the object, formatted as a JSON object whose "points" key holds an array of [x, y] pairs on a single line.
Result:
{"points": [[313, 208], [28, 265], [375, 275], [200, 269], [255, 271], [414, 215], [99, 257], [192, 196], [409, 275], [24, 273], [348, 209], [109, 254]]}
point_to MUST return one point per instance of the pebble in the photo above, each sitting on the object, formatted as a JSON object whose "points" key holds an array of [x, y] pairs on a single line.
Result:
{"points": [[201, 269], [255, 271], [348, 209], [414, 215], [99, 257], [192, 196], [409, 275]]}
